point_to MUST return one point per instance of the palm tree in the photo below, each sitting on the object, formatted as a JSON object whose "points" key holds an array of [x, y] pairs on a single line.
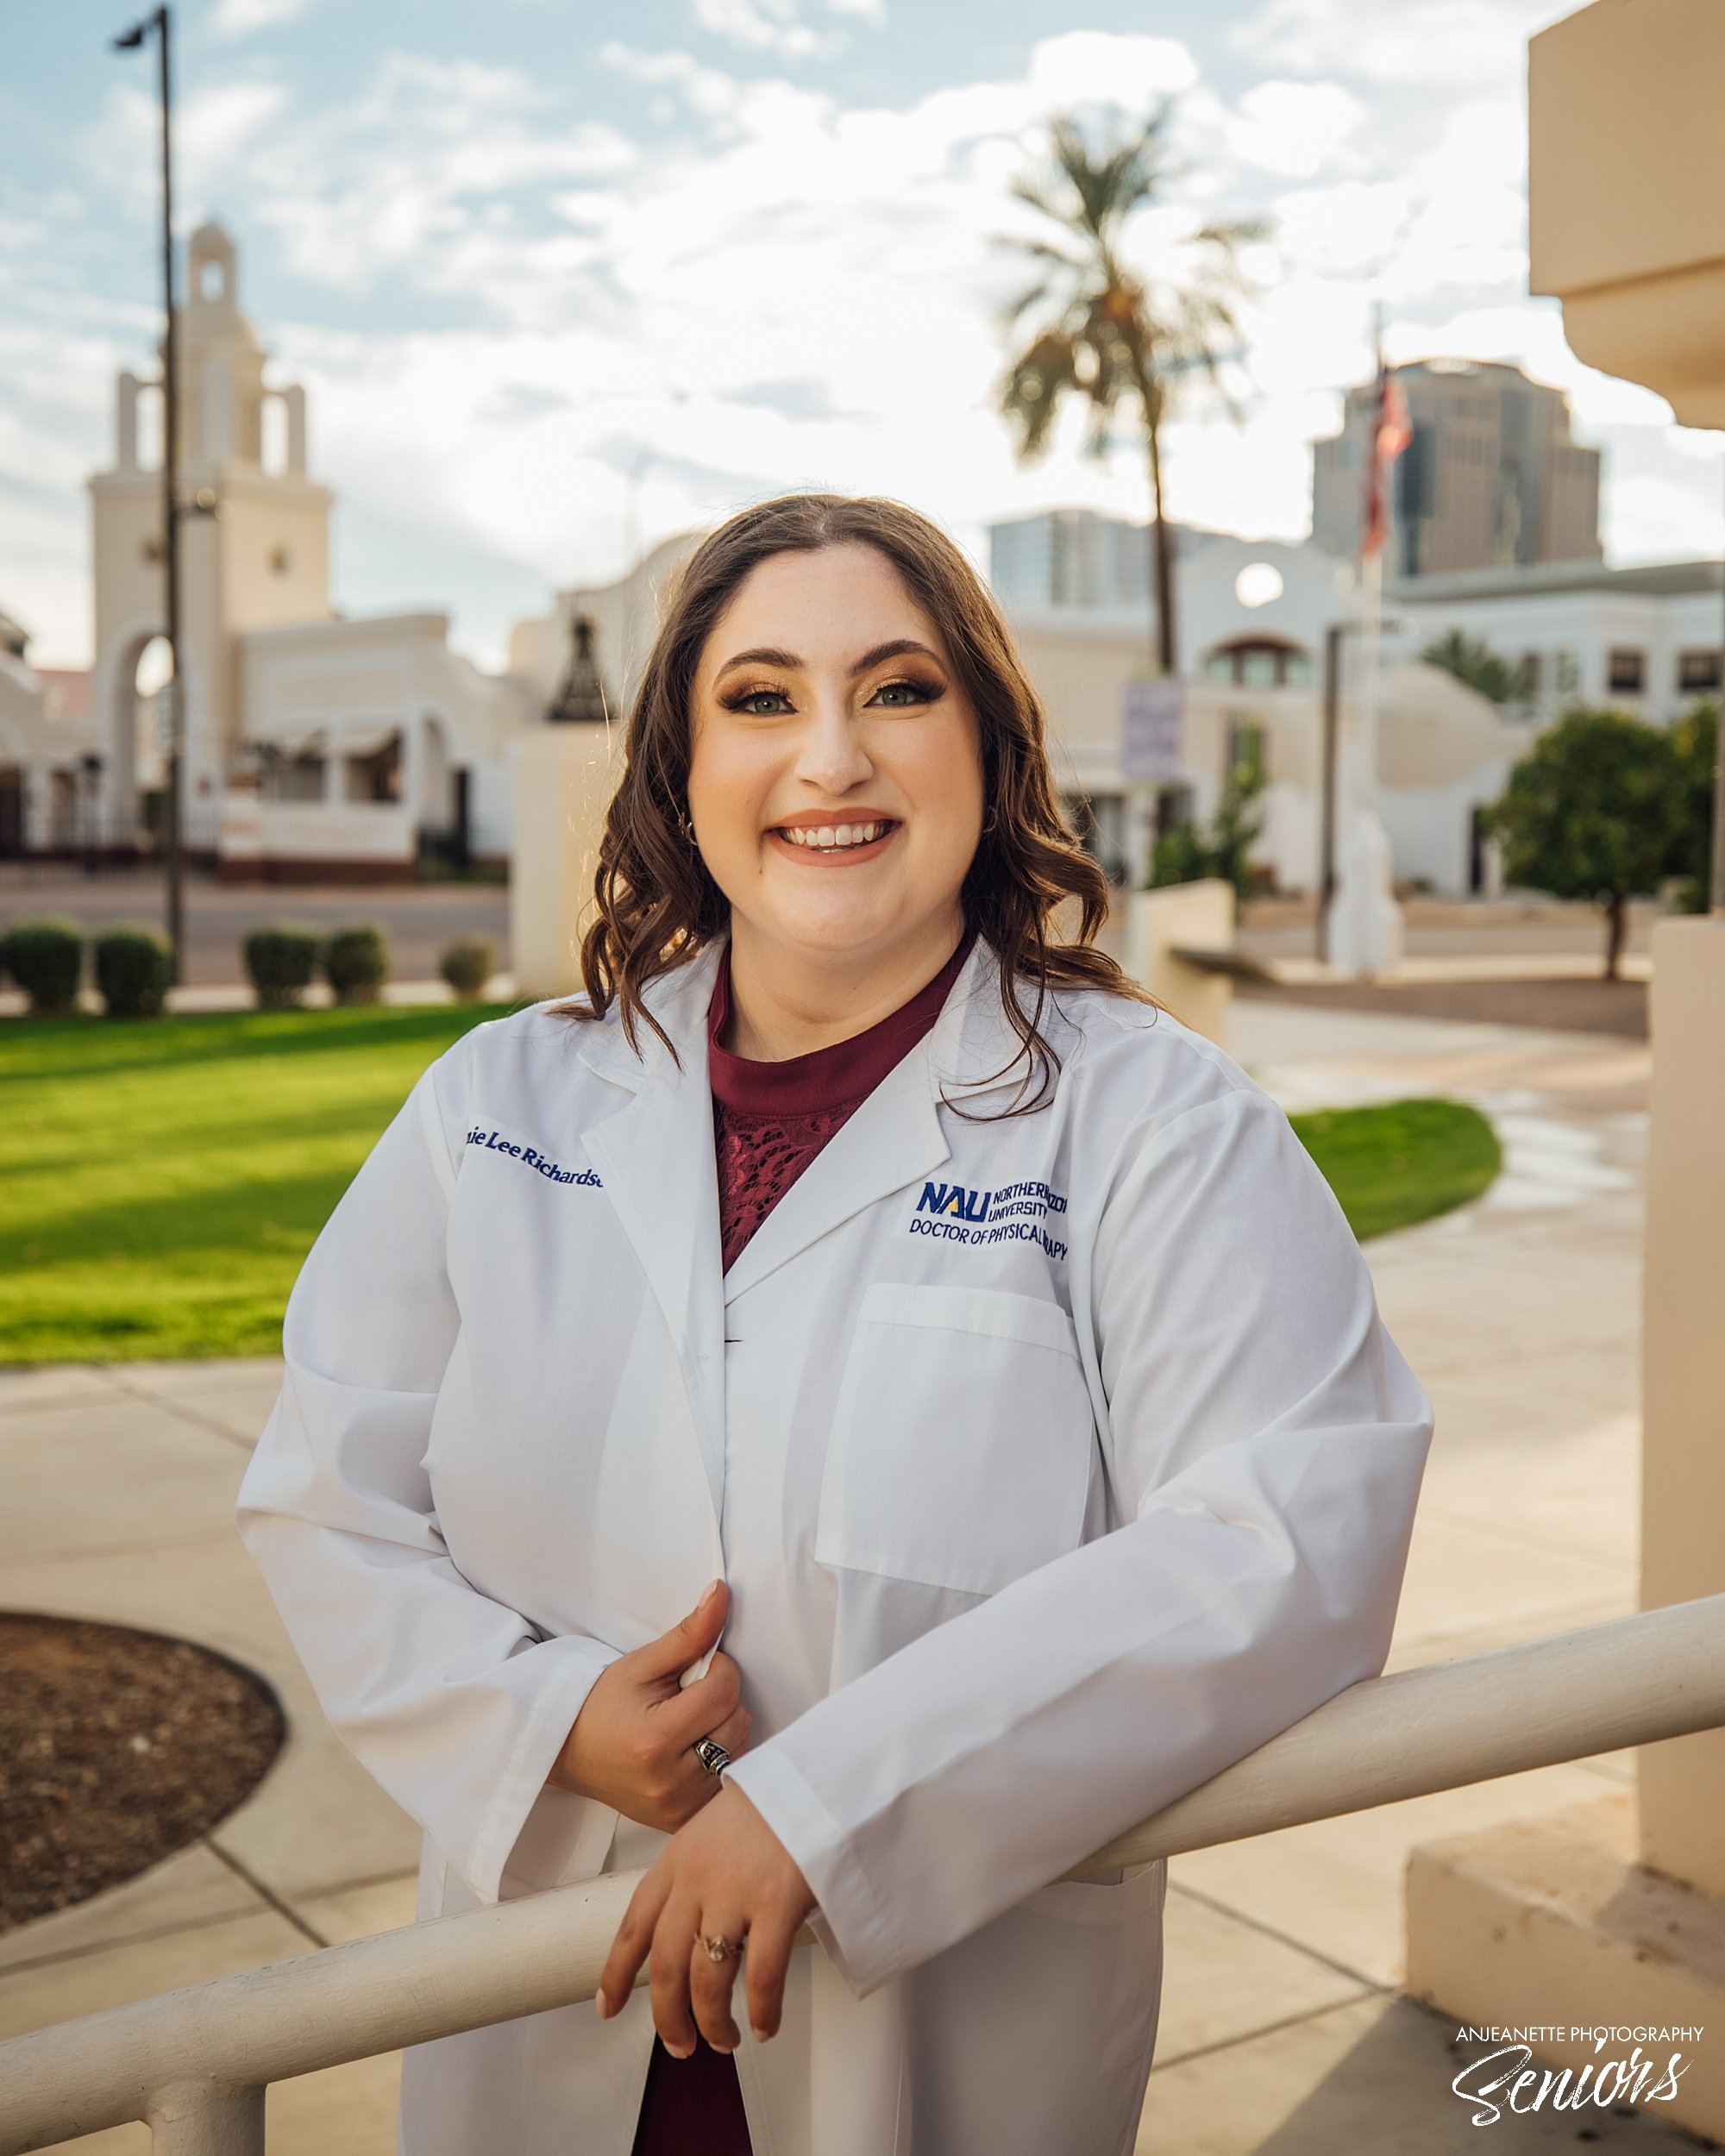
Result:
{"points": [[1100, 330]]}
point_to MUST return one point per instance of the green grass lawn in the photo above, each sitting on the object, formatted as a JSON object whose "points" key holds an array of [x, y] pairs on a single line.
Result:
{"points": [[159, 1182], [1403, 1162]]}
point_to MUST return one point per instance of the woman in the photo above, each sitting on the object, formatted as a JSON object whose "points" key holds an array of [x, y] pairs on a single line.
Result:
{"points": [[859, 1247]]}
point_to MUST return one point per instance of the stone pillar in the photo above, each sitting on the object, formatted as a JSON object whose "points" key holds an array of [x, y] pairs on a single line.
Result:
{"points": [[293, 403], [126, 422], [1179, 917], [563, 780], [1682, 1371]]}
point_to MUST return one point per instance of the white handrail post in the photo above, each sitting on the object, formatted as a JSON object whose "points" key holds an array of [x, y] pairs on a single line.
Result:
{"points": [[201, 2118]]}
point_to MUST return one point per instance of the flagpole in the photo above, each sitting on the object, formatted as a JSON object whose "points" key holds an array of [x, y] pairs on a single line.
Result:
{"points": [[1365, 927]]}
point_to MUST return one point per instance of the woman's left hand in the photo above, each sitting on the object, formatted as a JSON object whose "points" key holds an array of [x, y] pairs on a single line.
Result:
{"points": [[725, 1875]]}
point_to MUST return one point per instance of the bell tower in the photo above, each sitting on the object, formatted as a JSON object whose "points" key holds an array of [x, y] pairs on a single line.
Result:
{"points": [[255, 537]]}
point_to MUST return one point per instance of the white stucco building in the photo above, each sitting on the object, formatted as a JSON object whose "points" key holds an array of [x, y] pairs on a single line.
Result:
{"points": [[1646, 639], [1253, 619], [316, 746]]}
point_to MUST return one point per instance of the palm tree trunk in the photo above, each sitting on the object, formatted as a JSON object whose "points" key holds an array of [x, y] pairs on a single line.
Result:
{"points": [[1614, 933], [1162, 544]]}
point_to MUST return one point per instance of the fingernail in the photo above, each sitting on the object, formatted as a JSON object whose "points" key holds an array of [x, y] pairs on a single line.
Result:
{"points": [[602, 2004], [761, 2034], [709, 1594], [689, 2052]]}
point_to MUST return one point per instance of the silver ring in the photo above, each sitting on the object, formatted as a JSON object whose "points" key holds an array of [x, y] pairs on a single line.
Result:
{"points": [[712, 1756]]}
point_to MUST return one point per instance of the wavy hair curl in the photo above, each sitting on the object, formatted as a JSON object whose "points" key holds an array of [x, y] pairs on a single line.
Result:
{"points": [[657, 905]]}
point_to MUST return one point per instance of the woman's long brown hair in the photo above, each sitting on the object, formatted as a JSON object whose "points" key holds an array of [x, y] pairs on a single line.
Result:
{"points": [[658, 905]]}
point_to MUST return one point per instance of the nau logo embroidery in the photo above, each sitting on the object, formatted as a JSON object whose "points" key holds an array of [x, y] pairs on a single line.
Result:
{"points": [[952, 1212]]}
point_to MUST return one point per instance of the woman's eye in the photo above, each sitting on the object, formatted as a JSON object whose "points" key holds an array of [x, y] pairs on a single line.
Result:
{"points": [[760, 704], [899, 695]]}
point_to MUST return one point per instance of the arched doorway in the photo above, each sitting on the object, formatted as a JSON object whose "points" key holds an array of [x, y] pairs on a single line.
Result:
{"points": [[124, 790], [151, 676]]}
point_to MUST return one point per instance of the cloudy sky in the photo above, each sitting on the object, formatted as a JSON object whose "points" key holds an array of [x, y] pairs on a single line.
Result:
{"points": [[562, 276]]}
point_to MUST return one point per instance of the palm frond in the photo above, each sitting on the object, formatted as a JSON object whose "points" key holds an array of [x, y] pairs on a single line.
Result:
{"points": [[1105, 332]]}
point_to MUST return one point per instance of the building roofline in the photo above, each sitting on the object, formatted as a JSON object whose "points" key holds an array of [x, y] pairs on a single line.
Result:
{"points": [[1662, 579]]}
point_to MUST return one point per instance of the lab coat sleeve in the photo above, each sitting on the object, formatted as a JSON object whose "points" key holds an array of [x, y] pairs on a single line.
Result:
{"points": [[456, 1704], [1264, 1452]]}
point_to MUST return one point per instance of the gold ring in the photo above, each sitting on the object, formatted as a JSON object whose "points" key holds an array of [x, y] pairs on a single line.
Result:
{"points": [[720, 1949]]}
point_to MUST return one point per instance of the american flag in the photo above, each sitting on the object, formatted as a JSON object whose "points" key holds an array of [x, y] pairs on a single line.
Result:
{"points": [[1391, 432]]}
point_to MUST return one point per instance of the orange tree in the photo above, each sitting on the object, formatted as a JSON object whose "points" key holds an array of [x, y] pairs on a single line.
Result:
{"points": [[1592, 812]]}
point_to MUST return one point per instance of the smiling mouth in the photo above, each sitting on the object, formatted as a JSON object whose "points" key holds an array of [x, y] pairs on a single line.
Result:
{"points": [[835, 837]]}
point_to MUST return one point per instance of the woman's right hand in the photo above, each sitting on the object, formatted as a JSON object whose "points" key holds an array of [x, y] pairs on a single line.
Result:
{"points": [[631, 1747]]}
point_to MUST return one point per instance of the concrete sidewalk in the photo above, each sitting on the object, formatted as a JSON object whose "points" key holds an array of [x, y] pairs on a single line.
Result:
{"points": [[1281, 2030]]}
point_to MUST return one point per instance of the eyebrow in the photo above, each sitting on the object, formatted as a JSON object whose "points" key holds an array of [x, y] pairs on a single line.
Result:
{"points": [[767, 655]]}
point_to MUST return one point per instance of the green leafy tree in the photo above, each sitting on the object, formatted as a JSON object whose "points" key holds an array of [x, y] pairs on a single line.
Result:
{"points": [[1695, 745], [1186, 853], [1092, 326], [1591, 811], [1472, 661]]}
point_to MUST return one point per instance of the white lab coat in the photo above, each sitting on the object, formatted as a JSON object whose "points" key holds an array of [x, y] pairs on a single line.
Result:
{"points": [[1054, 1460]]}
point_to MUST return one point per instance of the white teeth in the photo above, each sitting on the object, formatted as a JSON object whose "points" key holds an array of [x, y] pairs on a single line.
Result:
{"points": [[829, 837]]}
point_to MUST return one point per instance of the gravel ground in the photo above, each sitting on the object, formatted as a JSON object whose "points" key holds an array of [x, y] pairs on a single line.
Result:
{"points": [[117, 1747]]}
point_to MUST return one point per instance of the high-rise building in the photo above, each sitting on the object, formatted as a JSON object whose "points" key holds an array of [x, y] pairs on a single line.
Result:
{"points": [[1490, 480], [1069, 557]]}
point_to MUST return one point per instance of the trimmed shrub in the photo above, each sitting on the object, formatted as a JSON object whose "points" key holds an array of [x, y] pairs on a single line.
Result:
{"points": [[356, 963], [466, 965], [46, 959], [279, 963], [133, 971]]}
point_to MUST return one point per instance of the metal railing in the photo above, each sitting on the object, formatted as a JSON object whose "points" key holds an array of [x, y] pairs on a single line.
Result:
{"points": [[195, 2064]]}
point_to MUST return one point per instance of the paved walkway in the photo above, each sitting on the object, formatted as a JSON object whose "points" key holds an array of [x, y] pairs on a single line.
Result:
{"points": [[1281, 2030]]}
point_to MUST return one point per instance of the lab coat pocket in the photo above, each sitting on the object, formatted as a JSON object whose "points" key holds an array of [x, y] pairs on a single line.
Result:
{"points": [[961, 1441]]}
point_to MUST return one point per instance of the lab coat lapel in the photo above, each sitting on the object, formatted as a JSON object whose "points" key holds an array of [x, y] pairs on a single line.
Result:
{"points": [[894, 1139], [655, 1156]]}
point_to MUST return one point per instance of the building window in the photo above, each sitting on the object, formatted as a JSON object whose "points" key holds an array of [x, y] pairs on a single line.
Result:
{"points": [[376, 777], [1568, 673], [1626, 670], [1697, 672], [289, 778], [1532, 670], [1259, 662], [1246, 752]]}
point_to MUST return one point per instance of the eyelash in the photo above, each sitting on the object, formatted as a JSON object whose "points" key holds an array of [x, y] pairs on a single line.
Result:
{"points": [[920, 693]]}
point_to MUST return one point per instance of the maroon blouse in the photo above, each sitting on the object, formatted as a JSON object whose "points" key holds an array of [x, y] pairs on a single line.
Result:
{"points": [[769, 1120]]}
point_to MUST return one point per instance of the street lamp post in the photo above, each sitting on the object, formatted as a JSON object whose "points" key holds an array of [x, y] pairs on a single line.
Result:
{"points": [[172, 838]]}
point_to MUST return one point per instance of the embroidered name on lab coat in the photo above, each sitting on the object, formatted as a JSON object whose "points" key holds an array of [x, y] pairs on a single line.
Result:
{"points": [[952, 1213], [495, 1142]]}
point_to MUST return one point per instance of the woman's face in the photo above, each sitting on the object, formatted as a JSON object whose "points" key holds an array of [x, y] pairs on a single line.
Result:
{"points": [[835, 774]]}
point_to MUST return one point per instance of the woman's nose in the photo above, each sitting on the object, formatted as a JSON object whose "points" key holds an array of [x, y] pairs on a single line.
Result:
{"points": [[830, 757]]}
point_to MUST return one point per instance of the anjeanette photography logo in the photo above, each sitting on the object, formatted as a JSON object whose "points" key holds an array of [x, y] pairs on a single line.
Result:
{"points": [[1631, 2065]]}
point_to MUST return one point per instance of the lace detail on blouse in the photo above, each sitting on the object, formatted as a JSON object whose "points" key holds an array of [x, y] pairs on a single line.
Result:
{"points": [[760, 1156]]}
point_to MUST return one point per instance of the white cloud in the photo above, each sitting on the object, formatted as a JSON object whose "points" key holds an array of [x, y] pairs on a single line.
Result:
{"points": [[239, 18], [1087, 65], [767, 25], [1659, 519], [608, 330], [1428, 44], [1295, 128]]}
